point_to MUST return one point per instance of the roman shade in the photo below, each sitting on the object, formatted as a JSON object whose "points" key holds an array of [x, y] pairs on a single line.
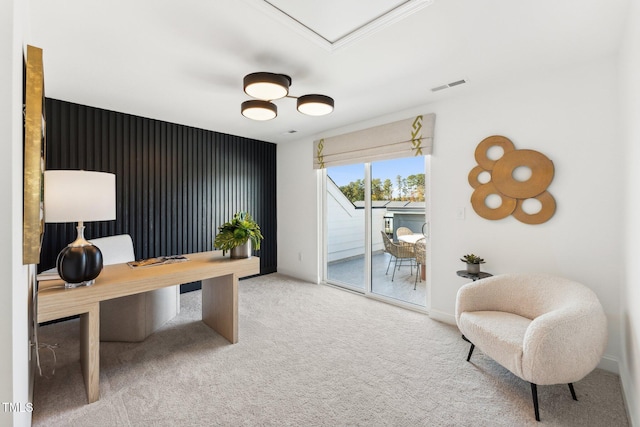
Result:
{"points": [[404, 138]]}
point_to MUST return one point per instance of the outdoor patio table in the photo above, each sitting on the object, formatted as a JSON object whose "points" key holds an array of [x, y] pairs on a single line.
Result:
{"points": [[411, 238]]}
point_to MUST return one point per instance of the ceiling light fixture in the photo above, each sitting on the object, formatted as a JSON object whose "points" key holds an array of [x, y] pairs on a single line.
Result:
{"points": [[315, 105], [266, 87], [257, 109]]}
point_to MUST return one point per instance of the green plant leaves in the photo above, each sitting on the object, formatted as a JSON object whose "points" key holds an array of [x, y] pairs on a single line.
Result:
{"points": [[472, 259], [237, 232]]}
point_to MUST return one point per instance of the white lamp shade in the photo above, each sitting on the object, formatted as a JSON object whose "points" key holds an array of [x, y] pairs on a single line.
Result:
{"points": [[74, 196]]}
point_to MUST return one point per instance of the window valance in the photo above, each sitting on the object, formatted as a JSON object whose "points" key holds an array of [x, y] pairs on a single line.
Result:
{"points": [[404, 138]]}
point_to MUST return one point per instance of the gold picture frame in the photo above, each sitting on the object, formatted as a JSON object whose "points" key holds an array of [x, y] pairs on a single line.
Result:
{"points": [[34, 156]]}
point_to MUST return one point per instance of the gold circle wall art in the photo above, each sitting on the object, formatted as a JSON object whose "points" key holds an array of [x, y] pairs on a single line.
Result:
{"points": [[516, 178]]}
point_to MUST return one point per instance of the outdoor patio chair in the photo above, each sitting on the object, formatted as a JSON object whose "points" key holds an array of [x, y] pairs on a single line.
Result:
{"points": [[420, 250], [399, 252]]}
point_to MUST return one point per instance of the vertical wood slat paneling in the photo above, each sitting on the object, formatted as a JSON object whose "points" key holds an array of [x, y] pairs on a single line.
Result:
{"points": [[174, 184]]}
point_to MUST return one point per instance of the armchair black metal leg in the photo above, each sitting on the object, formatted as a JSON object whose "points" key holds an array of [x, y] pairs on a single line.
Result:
{"points": [[395, 267], [390, 259], [471, 349], [534, 393], [573, 392]]}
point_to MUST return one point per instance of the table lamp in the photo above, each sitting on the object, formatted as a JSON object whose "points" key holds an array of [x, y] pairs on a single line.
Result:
{"points": [[70, 196]]}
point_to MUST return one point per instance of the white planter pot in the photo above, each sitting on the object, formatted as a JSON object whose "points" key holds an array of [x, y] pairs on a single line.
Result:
{"points": [[473, 268]]}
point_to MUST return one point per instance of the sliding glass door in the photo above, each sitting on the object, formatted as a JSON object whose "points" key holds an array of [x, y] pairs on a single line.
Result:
{"points": [[398, 229], [365, 206], [345, 226]]}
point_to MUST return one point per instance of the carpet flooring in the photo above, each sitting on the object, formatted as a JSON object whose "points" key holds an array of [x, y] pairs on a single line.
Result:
{"points": [[308, 355]]}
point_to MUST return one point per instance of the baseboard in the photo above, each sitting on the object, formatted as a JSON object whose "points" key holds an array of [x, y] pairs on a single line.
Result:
{"points": [[629, 396], [443, 317], [609, 364], [297, 275]]}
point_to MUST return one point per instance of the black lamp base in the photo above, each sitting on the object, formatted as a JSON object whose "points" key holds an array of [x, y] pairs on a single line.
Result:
{"points": [[80, 262]]}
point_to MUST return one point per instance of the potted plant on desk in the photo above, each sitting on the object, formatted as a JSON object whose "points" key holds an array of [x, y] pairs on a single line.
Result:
{"points": [[238, 235], [473, 263]]}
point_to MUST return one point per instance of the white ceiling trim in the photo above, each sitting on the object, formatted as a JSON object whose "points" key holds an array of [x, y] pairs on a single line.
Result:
{"points": [[400, 12]]}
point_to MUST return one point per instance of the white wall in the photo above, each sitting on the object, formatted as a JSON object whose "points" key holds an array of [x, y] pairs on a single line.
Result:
{"points": [[630, 292], [569, 115], [345, 226], [298, 190], [14, 347]]}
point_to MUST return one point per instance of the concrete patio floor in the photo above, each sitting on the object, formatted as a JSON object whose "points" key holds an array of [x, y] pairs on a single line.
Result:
{"points": [[351, 271]]}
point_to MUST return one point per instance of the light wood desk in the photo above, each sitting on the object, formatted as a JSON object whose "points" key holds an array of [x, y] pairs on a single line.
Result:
{"points": [[219, 277]]}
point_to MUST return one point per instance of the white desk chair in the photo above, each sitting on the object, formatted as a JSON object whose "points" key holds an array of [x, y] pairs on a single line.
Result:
{"points": [[133, 318]]}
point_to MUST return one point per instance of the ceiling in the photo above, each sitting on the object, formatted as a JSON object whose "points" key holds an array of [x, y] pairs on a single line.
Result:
{"points": [[183, 61]]}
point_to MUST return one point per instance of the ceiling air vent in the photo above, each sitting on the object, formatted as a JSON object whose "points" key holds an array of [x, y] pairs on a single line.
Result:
{"points": [[448, 85]]}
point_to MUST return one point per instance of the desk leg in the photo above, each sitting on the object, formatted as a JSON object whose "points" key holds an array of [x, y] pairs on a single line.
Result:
{"points": [[220, 305], [90, 351]]}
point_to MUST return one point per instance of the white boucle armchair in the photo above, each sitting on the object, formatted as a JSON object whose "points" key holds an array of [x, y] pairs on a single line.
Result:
{"points": [[544, 329]]}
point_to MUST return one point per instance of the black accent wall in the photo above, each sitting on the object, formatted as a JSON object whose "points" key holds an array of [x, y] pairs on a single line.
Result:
{"points": [[174, 184]]}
